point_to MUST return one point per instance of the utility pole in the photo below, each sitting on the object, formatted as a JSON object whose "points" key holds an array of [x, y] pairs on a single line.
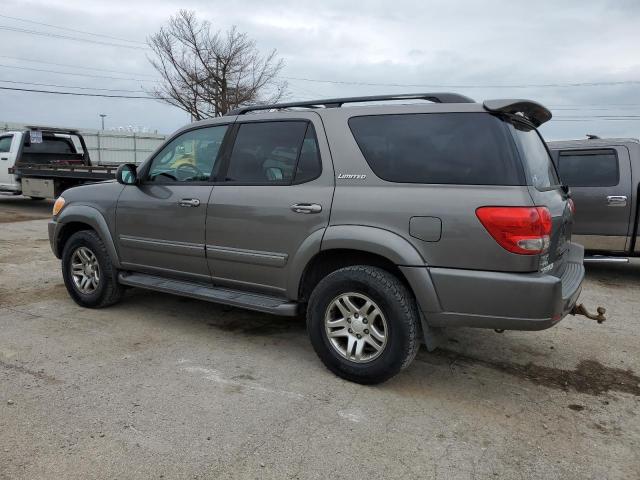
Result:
{"points": [[102, 115]]}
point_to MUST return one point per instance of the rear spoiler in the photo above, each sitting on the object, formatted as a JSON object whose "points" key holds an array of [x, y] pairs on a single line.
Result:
{"points": [[532, 111]]}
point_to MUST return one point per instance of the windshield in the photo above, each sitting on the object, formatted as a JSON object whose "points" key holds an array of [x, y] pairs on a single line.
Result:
{"points": [[535, 156]]}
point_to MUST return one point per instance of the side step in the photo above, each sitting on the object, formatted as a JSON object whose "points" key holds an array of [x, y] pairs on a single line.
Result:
{"points": [[226, 296]]}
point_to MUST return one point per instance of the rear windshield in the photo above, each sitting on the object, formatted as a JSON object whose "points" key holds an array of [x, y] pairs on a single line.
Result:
{"points": [[440, 148], [542, 171], [51, 145]]}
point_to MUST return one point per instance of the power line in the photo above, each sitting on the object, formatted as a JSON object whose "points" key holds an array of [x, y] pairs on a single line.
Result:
{"points": [[591, 118], [72, 30], [68, 86], [76, 93], [77, 74], [597, 120], [67, 37], [83, 67], [414, 85]]}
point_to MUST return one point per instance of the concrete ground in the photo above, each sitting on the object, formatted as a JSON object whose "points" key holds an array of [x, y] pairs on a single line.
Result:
{"points": [[165, 387]]}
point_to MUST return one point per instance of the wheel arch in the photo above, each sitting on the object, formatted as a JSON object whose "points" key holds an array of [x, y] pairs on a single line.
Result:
{"points": [[346, 245], [76, 218], [330, 260]]}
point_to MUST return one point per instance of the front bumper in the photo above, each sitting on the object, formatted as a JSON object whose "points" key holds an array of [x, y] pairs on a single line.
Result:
{"points": [[509, 301]]}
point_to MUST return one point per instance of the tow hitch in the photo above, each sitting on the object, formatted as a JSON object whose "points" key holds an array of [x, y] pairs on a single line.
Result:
{"points": [[582, 310]]}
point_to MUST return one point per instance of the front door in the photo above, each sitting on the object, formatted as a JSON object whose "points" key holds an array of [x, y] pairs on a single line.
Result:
{"points": [[160, 223], [600, 182], [275, 194]]}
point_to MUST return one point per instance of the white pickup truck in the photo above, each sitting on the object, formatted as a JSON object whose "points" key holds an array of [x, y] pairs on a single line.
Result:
{"points": [[42, 162]]}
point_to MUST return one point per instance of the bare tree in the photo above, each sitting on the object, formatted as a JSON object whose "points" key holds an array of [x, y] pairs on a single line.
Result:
{"points": [[208, 73]]}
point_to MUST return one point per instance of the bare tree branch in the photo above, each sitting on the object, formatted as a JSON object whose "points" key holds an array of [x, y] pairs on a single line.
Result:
{"points": [[208, 73]]}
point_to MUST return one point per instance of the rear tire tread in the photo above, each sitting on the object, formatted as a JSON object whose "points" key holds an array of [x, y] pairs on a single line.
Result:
{"points": [[396, 292]]}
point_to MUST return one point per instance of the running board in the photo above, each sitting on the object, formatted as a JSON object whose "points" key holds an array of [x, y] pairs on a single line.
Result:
{"points": [[226, 296]]}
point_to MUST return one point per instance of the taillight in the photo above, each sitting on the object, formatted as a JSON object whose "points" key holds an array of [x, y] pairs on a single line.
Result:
{"points": [[522, 230], [572, 206]]}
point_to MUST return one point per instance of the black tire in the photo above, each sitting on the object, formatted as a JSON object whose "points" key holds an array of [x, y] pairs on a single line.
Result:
{"points": [[108, 290], [398, 306]]}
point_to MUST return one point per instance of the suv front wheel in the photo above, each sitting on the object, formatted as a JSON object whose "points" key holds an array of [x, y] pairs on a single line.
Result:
{"points": [[89, 275], [363, 324]]}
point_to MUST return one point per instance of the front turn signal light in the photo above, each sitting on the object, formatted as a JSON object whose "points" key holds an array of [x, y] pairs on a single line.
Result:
{"points": [[58, 206]]}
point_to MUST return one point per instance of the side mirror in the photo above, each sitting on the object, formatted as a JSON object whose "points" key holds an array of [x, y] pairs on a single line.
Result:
{"points": [[127, 174]]}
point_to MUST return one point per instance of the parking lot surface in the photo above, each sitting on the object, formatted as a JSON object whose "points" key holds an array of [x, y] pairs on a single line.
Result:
{"points": [[166, 387]]}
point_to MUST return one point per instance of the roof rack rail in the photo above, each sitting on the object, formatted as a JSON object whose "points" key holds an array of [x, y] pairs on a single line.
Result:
{"points": [[443, 97]]}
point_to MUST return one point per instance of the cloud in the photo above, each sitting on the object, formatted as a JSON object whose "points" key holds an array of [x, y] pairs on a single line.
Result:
{"points": [[402, 42]]}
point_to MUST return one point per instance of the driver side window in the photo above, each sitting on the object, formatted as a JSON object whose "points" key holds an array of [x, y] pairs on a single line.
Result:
{"points": [[189, 157]]}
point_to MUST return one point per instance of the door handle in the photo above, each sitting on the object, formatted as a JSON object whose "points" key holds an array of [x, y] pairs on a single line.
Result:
{"points": [[4, 158], [306, 208], [617, 200], [189, 202]]}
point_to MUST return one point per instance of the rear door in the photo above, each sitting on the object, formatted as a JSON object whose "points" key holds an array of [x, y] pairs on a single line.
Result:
{"points": [[8, 152], [600, 182], [160, 223], [274, 195]]}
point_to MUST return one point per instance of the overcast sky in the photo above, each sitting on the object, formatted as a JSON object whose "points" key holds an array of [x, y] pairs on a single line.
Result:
{"points": [[440, 45]]}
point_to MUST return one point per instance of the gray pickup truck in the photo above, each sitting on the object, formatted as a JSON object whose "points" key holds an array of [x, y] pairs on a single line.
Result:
{"points": [[604, 177], [383, 223]]}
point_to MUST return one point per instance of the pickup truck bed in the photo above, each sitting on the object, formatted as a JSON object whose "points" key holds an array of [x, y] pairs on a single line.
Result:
{"points": [[69, 172], [42, 162]]}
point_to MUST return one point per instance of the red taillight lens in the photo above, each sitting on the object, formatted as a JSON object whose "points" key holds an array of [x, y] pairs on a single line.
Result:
{"points": [[572, 206], [522, 230]]}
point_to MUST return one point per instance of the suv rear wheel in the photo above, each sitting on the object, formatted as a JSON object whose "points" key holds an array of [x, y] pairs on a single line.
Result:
{"points": [[88, 273], [363, 324]]}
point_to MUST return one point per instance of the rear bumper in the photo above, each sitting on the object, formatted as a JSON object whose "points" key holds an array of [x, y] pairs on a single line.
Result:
{"points": [[510, 301]]}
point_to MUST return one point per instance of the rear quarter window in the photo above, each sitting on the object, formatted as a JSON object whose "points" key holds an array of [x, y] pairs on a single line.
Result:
{"points": [[536, 157], [438, 148]]}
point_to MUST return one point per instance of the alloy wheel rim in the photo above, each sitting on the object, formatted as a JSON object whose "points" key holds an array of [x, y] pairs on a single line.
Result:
{"points": [[85, 270], [356, 327]]}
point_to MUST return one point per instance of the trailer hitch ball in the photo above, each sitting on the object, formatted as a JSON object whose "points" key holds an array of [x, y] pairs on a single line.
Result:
{"points": [[582, 310]]}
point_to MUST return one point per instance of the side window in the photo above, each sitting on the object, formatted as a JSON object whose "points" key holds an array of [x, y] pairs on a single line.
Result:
{"points": [[438, 148], [589, 168], [274, 153], [5, 143], [309, 165], [189, 157]]}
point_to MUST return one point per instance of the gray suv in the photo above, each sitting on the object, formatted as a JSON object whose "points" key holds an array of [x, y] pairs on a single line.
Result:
{"points": [[383, 222]]}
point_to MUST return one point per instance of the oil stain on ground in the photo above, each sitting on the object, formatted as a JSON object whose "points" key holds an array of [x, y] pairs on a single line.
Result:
{"points": [[261, 325], [589, 376]]}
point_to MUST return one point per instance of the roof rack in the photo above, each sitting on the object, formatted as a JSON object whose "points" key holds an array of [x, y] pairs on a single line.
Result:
{"points": [[338, 102]]}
